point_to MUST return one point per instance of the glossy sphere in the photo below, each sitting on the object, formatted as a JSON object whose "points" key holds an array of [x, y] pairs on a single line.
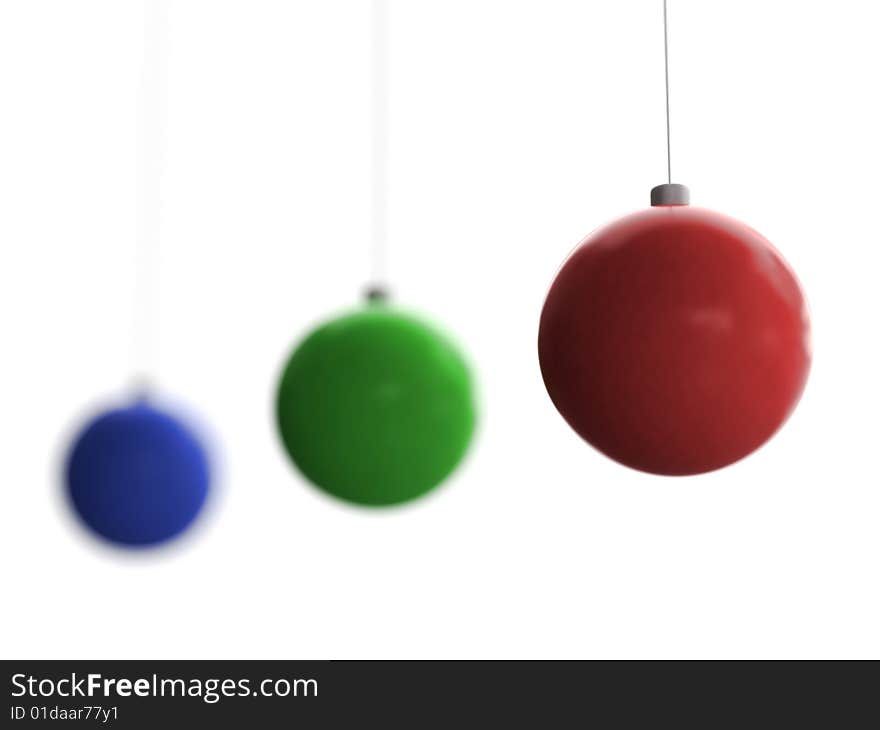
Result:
{"points": [[136, 476], [376, 407], [675, 340]]}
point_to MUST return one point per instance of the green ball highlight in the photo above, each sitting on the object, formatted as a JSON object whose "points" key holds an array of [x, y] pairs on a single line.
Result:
{"points": [[376, 407]]}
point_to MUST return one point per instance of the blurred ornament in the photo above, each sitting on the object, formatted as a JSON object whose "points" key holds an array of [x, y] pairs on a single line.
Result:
{"points": [[137, 476], [376, 407], [675, 340]]}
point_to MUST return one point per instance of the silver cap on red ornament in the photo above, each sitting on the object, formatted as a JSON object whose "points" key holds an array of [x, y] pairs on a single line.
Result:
{"points": [[670, 194]]}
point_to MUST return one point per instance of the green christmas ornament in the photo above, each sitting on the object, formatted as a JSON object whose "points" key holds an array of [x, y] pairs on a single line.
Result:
{"points": [[376, 407]]}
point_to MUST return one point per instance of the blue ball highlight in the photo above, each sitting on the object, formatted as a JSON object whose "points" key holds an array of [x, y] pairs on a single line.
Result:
{"points": [[137, 477]]}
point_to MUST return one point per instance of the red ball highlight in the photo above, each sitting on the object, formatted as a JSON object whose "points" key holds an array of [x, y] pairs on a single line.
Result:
{"points": [[675, 340]]}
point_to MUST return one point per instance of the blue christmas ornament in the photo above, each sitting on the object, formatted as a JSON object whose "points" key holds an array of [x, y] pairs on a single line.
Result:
{"points": [[136, 476]]}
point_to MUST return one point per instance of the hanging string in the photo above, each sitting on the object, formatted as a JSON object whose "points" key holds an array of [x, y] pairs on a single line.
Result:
{"points": [[666, 69], [379, 147], [150, 166]]}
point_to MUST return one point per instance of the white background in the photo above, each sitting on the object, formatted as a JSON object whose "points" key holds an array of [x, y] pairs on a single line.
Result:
{"points": [[517, 126]]}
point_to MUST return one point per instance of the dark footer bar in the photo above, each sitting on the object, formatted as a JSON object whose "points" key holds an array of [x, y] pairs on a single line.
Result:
{"points": [[414, 694]]}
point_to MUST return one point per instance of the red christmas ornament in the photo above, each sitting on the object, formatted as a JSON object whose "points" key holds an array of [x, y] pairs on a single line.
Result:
{"points": [[675, 340]]}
